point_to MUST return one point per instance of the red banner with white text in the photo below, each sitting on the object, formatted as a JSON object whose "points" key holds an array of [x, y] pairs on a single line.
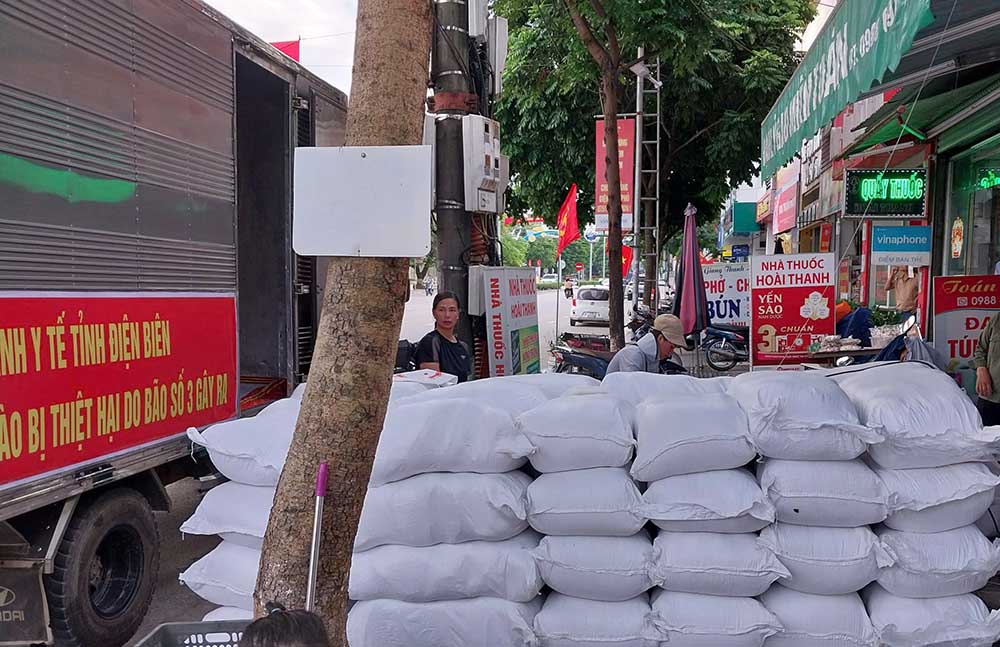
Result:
{"points": [[963, 305], [83, 376]]}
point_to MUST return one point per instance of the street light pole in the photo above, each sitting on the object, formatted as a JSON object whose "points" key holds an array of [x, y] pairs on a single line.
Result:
{"points": [[590, 266]]}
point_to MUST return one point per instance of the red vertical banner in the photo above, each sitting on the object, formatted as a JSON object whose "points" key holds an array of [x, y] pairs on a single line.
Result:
{"points": [[83, 376], [825, 237], [792, 305], [626, 166]]}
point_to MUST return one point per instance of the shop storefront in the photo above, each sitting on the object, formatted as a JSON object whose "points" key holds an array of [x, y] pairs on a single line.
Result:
{"points": [[973, 211]]}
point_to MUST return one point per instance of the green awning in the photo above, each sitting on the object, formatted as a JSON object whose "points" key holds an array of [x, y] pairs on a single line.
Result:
{"points": [[860, 42], [886, 126]]}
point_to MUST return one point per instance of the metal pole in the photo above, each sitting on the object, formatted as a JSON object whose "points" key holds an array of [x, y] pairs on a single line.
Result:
{"points": [[604, 260], [449, 61], [558, 292], [637, 186], [590, 266], [317, 536]]}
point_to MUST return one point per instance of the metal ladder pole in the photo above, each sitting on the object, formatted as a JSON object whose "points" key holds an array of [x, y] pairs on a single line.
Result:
{"points": [[648, 233]]}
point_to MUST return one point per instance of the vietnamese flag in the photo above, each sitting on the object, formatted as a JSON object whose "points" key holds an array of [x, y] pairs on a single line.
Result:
{"points": [[290, 48], [627, 255], [569, 228]]}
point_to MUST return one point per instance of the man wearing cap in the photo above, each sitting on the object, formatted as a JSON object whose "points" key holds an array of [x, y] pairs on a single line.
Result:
{"points": [[646, 354]]}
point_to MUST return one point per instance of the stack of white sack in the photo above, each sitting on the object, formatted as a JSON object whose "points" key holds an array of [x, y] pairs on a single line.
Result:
{"points": [[825, 498], [250, 452], [443, 548], [595, 556], [708, 560], [938, 487]]}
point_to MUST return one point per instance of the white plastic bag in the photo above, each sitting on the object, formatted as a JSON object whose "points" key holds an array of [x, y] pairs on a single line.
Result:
{"points": [[454, 435], [819, 620], [827, 561], [251, 451], [498, 392], [452, 623], [639, 387], [236, 512], [720, 501], [603, 502], [937, 565], [610, 569], [443, 509], [226, 576], [685, 435], [955, 621], [428, 378], [801, 416], [574, 433], [227, 613], [496, 569], [839, 494], [692, 620], [737, 565], [928, 421], [555, 385], [404, 389], [936, 499], [575, 622]]}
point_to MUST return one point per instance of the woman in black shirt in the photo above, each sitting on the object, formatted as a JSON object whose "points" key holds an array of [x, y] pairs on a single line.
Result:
{"points": [[440, 349]]}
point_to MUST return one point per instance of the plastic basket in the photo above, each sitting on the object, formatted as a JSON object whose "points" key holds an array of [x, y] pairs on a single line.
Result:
{"points": [[218, 633]]}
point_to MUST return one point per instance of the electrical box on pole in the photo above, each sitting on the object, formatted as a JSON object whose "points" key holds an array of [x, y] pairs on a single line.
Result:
{"points": [[481, 143], [497, 48], [478, 18]]}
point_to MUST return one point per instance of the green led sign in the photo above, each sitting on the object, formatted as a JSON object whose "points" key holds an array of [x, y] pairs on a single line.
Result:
{"points": [[888, 193], [987, 178]]}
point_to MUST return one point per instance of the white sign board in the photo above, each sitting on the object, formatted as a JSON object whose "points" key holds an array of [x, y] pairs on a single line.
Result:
{"points": [[511, 320], [727, 290], [362, 201]]}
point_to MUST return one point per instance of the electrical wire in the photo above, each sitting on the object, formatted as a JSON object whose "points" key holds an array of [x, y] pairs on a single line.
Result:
{"points": [[888, 161]]}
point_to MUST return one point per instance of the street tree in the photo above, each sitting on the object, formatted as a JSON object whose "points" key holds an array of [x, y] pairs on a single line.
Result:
{"points": [[723, 63], [345, 403]]}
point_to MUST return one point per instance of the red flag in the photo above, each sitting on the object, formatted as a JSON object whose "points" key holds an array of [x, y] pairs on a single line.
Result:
{"points": [[569, 228], [627, 254], [290, 48]]}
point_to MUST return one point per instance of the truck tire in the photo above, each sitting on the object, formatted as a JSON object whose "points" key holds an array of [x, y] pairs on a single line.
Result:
{"points": [[105, 572]]}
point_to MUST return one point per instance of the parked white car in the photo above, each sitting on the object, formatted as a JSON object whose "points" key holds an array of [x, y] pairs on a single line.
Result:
{"points": [[590, 305], [549, 278]]}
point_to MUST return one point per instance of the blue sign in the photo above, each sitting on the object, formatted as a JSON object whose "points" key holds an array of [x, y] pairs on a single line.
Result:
{"points": [[741, 251], [907, 246]]}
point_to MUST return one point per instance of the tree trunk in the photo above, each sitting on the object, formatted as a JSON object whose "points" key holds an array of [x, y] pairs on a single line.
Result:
{"points": [[345, 403], [612, 173]]}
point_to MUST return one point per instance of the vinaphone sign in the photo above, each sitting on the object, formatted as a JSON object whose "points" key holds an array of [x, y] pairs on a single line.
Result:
{"points": [[860, 42]]}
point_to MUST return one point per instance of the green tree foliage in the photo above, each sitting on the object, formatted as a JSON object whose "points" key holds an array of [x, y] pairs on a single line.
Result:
{"points": [[724, 62]]}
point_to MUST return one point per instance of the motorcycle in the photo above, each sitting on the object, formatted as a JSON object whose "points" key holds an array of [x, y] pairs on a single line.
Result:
{"points": [[594, 363], [725, 346], [406, 357]]}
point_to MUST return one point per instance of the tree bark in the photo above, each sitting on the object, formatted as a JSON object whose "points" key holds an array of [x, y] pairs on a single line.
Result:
{"points": [[345, 403], [608, 59]]}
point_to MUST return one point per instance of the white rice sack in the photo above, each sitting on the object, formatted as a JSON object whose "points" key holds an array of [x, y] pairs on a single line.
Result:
{"points": [[455, 435], [452, 623], [236, 512], [928, 421], [685, 435], [299, 392], [737, 565], [819, 620], [989, 523], [555, 385], [444, 509], [227, 613], [936, 565], [493, 569], [497, 392], [610, 569], [426, 377], [404, 389], [692, 620], [956, 621], [639, 387], [801, 416], [574, 622], [827, 561], [251, 451], [226, 576], [574, 433], [720, 501], [936, 499], [839, 494], [603, 502]]}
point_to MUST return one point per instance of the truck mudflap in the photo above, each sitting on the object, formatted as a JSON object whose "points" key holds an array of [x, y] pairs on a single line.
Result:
{"points": [[24, 615]]}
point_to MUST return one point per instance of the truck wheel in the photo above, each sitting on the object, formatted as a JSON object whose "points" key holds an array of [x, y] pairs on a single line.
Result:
{"points": [[105, 572]]}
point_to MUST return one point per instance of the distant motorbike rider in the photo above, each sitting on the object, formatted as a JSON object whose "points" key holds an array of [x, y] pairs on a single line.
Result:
{"points": [[568, 288], [645, 355]]}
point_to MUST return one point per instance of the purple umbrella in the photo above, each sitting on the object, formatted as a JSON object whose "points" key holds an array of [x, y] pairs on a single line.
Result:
{"points": [[690, 302]]}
